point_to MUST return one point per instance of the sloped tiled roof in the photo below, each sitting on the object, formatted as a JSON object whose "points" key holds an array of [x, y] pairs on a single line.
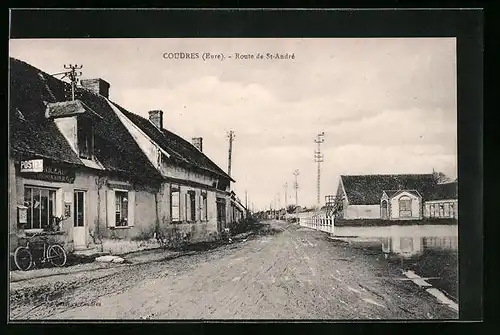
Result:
{"points": [[30, 139], [179, 149], [367, 189], [445, 191], [31, 133]]}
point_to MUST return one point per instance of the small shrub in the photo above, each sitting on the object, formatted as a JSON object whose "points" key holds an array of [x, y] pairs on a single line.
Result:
{"points": [[174, 238]]}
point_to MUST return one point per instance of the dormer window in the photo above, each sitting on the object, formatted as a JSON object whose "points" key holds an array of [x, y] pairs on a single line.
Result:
{"points": [[85, 138]]}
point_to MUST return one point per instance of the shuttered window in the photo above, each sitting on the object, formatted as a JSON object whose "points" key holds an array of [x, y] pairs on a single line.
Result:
{"points": [[174, 204], [204, 209], [121, 208], [191, 196]]}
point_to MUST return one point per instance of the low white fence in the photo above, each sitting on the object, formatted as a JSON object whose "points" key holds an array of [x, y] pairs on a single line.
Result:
{"points": [[318, 222]]}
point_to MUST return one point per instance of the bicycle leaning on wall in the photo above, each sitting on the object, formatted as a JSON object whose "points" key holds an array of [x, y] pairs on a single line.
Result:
{"points": [[38, 253]]}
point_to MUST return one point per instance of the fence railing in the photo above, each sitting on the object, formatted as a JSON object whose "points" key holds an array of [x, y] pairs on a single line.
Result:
{"points": [[322, 223]]}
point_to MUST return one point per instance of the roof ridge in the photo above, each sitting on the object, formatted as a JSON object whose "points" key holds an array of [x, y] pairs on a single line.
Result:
{"points": [[38, 70], [200, 152], [165, 132]]}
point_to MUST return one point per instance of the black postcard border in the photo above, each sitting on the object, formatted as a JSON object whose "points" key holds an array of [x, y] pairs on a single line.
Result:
{"points": [[466, 25]]}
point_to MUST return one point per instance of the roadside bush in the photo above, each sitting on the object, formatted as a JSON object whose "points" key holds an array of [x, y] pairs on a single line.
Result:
{"points": [[174, 238], [142, 236], [244, 226]]}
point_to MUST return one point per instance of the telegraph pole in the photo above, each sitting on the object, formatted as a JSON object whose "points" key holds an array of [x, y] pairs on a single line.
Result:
{"points": [[246, 199], [296, 186], [230, 136], [318, 158], [286, 201], [286, 195], [279, 205], [72, 74]]}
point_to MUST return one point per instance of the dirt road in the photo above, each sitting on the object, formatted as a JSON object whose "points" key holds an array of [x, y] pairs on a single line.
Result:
{"points": [[285, 272]]}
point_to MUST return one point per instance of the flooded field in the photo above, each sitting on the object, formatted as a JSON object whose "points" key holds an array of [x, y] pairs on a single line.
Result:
{"points": [[430, 251]]}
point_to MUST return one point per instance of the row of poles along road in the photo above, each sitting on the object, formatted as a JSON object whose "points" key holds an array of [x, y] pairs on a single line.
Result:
{"points": [[318, 158]]}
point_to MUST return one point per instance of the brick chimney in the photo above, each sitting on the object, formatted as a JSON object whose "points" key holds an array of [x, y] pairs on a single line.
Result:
{"points": [[156, 118], [96, 85], [198, 143]]}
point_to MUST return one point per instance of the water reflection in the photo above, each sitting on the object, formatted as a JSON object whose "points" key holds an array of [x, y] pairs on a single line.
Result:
{"points": [[435, 258], [429, 251], [413, 247], [406, 247]]}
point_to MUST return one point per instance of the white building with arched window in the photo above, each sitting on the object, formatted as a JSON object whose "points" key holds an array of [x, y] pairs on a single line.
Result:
{"points": [[401, 205], [386, 197]]}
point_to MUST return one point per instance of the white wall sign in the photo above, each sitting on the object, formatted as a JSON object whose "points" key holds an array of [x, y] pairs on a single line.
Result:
{"points": [[34, 165]]}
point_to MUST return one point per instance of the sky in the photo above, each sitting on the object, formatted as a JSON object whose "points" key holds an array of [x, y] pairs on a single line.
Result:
{"points": [[384, 105]]}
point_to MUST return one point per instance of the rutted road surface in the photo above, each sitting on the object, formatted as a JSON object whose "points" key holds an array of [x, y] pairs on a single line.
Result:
{"points": [[287, 272]]}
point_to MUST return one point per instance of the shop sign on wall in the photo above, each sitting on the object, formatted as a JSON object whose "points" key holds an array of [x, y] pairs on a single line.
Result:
{"points": [[42, 170], [33, 165]]}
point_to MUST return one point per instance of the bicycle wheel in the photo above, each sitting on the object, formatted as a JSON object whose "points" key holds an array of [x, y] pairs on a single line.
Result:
{"points": [[23, 258], [57, 255]]}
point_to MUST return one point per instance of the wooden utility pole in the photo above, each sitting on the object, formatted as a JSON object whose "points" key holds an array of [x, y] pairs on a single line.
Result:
{"points": [[72, 74], [296, 187], [286, 200], [230, 136], [318, 158], [286, 195]]}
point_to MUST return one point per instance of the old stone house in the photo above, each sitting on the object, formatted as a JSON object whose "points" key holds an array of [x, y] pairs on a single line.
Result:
{"points": [[194, 200], [113, 177]]}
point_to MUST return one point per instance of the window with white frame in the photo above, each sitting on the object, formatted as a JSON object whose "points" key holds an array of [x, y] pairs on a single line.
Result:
{"points": [[175, 203], [405, 206], [41, 203], [121, 212], [121, 208]]}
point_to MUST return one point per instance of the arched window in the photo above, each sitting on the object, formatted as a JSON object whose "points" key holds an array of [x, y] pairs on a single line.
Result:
{"points": [[405, 206]]}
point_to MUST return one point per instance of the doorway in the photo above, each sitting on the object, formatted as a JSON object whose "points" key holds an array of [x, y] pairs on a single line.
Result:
{"points": [[79, 220], [384, 210]]}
